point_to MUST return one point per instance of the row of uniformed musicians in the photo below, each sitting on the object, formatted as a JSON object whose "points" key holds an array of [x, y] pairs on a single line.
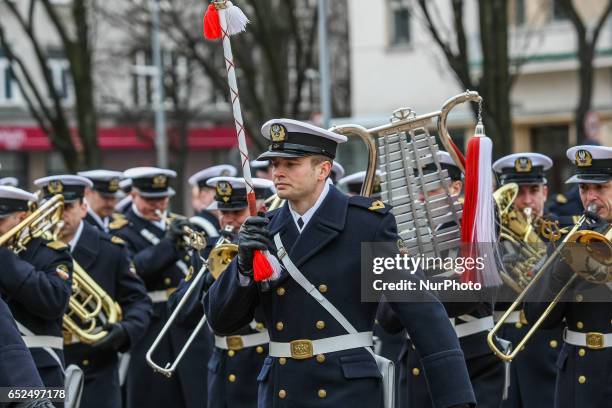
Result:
{"points": [[320, 227]]}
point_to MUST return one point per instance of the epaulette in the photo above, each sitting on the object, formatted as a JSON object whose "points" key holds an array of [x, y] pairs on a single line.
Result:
{"points": [[119, 221], [117, 241], [561, 199], [57, 245], [370, 204]]}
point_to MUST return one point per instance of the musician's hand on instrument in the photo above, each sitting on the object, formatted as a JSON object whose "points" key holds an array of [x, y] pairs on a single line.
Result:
{"points": [[175, 231], [115, 340], [253, 235]]}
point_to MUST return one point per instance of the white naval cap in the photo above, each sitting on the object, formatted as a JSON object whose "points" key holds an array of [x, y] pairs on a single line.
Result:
{"points": [[337, 171], [352, 183], [13, 199], [151, 181], [71, 186], [292, 138], [125, 185], [230, 192], [523, 168], [260, 164], [106, 182], [201, 177], [592, 164], [9, 181], [446, 162]]}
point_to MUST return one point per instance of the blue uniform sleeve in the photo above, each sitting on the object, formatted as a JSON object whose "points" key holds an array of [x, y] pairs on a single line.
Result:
{"points": [[545, 290], [153, 260], [427, 322], [133, 299], [44, 293], [193, 309], [228, 305], [17, 368]]}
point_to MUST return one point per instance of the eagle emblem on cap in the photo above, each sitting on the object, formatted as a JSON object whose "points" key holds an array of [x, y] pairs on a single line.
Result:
{"points": [[523, 165], [113, 185], [224, 190], [584, 158], [278, 133], [225, 173], [160, 181], [55, 187]]}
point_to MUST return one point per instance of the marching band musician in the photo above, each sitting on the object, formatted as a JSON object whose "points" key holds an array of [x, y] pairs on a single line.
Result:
{"points": [[124, 203], [472, 319], [36, 286], [102, 197], [533, 371], [202, 196], [106, 260], [237, 358], [584, 374], [322, 230], [162, 261]]}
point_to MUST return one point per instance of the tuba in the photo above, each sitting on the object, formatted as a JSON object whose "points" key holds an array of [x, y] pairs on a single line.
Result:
{"points": [[595, 251], [518, 237]]}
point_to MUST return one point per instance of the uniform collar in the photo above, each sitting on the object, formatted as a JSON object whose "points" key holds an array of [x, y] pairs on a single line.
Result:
{"points": [[311, 211], [75, 240], [86, 250], [103, 223]]}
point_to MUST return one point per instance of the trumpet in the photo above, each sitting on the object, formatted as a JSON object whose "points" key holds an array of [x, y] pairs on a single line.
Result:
{"points": [[574, 235], [218, 260], [191, 238], [88, 304]]}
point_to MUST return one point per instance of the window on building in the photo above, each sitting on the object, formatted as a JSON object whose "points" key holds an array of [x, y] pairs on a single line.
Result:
{"points": [[176, 72], [518, 12], [558, 11], [400, 18], [9, 90], [59, 69], [553, 141]]}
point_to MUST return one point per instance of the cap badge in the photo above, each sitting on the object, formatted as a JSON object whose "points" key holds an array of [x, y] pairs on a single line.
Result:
{"points": [[160, 181], [113, 185], [55, 187], [224, 190], [584, 158], [523, 165], [278, 133], [225, 173]]}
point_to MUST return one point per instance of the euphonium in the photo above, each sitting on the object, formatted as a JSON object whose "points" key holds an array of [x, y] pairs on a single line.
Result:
{"points": [[519, 238], [89, 306], [45, 219]]}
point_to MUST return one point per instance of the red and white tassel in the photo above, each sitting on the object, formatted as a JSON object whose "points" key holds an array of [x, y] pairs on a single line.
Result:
{"points": [[236, 21], [265, 266], [478, 234]]}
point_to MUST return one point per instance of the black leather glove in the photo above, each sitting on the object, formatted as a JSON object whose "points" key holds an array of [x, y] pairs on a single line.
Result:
{"points": [[175, 232], [115, 340], [253, 235], [208, 281]]}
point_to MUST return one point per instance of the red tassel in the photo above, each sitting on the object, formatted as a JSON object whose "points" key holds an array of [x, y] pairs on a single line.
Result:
{"points": [[470, 202], [262, 269], [212, 26]]}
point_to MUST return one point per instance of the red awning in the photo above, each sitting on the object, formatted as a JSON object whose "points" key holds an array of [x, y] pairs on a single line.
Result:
{"points": [[23, 138]]}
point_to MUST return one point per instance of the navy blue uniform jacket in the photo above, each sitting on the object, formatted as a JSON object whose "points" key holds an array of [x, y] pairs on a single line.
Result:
{"points": [[327, 252]]}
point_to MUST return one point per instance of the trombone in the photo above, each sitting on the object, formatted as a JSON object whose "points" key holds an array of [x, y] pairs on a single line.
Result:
{"points": [[220, 257], [574, 235]]}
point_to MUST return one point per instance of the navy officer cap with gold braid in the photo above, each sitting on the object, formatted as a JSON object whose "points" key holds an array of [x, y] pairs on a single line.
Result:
{"points": [[72, 187], [523, 168], [292, 138], [231, 195], [105, 182], [151, 182], [591, 164], [13, 199]]}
